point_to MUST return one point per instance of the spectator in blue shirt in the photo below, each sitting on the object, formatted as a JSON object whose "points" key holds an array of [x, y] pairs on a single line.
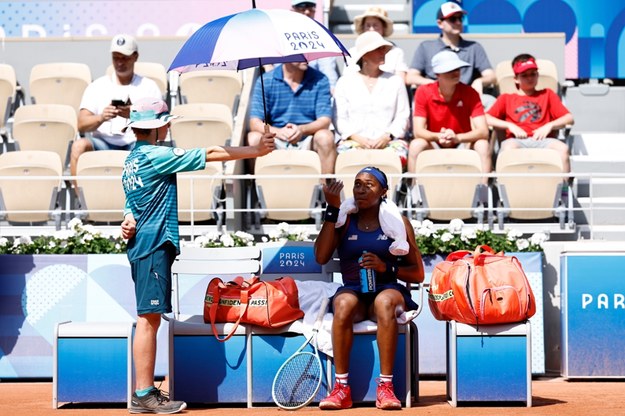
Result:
{"points": [[299, 111]]}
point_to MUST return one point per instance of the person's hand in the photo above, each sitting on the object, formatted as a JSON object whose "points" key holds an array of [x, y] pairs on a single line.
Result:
{"points": [[517, 131], [447, 138], [542, 132], [372, 261], [293, 133], [266, 144], [381, 142], [332, 193], [109, 112], [129, 227], [364, 142], [124, 111]]}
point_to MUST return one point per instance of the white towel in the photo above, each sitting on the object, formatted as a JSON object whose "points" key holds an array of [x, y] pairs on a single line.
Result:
{"points": [[311, 293], [391, 222]]}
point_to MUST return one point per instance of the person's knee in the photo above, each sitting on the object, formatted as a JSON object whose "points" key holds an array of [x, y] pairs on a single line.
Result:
{"points": [[324, 139], [81, 146], [253, 138], [416, 146], [509, 144], [151, 319]]}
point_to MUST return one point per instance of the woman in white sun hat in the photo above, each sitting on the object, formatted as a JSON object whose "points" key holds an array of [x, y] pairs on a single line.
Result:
{"points": [[376, 19], [372, 106]]}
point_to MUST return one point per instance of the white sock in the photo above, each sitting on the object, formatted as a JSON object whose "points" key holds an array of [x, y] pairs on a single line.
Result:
{"points": [[342, 378], [386, 378]]}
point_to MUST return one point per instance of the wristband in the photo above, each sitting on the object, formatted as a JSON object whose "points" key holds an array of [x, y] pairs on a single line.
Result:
{"points": [[391, 270], [331, 214]]}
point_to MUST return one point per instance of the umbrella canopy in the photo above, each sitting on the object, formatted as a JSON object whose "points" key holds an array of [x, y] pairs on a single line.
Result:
{"points": [[256, 37]]}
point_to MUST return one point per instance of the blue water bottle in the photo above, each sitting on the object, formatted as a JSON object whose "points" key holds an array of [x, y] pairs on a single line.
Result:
{"points": [[367, 278]]}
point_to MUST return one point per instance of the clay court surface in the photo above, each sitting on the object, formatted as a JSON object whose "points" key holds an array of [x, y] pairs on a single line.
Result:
{"points": [[551, 396]]}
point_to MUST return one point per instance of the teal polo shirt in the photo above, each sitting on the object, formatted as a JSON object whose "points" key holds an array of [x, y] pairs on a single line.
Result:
{"points": [[149, 180]]}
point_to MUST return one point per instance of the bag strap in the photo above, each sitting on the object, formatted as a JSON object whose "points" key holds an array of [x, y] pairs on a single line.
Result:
{"points": [[457, 255], [213, 310], [483, 249]]}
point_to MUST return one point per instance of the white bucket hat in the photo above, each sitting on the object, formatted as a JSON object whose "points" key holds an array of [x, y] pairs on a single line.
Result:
{"points": [[447, 61], [149, 113], [367, 42]]}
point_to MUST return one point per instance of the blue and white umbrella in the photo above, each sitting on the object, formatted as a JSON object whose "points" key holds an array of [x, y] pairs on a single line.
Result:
{"points": [[256, 37]]}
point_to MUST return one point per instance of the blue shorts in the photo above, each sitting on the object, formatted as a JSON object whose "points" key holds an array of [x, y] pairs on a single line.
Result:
{"points": [[101, 144], [368, 298], [152, 277]]}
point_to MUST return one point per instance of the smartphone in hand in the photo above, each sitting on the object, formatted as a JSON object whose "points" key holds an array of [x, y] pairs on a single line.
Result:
{"points": [[118, 103]]}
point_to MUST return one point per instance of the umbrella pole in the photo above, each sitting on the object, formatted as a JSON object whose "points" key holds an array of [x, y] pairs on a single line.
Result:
{"points": [[262, 91]]}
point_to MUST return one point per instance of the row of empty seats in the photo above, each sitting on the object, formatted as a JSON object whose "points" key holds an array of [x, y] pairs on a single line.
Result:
{"points": [[449, 185], [287, 186], [100, 193]]}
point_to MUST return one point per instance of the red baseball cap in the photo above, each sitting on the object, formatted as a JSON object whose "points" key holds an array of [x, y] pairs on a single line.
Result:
{"points": [[521, 67]]}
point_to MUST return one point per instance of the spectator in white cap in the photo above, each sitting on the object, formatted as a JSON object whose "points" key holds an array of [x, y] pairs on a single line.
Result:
{"points": [[105, 105], [372, 106], [151, 227], [376, 19], [479, 72], [448, 113], [327, 66]]}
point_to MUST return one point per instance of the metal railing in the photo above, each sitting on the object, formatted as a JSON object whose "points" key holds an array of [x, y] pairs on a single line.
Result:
{"points": [[233, 206]]}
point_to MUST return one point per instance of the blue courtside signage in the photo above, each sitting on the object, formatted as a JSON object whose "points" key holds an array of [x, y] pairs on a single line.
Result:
{"points": [[593, 315], [290, 260]]}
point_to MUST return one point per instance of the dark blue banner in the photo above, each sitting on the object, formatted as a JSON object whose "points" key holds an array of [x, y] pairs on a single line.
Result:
{"points": [[594, 30]]}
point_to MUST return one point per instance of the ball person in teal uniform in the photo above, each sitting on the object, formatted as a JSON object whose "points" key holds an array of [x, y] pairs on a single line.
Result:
{"points": [[151, 227]]}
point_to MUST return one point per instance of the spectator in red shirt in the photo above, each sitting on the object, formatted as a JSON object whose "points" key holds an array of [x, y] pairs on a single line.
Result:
{"points": [[530, 117], [448, 113]]}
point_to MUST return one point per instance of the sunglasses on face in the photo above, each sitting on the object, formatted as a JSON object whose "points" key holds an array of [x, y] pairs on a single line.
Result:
{"points": [[455, 19], [305, 6]]}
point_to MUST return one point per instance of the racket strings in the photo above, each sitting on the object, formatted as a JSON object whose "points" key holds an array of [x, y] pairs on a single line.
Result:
{"points": [[298, 380]]}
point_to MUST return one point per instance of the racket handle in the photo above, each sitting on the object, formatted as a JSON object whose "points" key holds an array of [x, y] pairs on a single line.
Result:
{"points": [[322, 312]]}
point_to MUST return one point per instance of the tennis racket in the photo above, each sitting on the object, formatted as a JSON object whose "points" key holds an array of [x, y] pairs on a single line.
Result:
{"points": [[298, 379]]}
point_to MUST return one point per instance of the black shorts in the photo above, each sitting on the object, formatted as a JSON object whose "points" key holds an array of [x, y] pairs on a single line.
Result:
{"points": [[368, 298]]}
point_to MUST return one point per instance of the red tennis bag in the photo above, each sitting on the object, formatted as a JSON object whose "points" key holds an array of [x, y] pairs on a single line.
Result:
{"points": [[253, 301], [482, 287]]}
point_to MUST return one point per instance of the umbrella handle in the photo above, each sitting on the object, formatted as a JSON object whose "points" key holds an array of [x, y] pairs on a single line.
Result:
{"points": [[266, 128]]}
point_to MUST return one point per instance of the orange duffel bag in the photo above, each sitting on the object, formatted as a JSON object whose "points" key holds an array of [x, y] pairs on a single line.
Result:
{"points": [[269, 304], [482, 287]]}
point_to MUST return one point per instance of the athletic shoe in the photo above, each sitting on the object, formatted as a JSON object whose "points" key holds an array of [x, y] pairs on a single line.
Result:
{"points": [[385, 397], [155, 402], [340, 398]]}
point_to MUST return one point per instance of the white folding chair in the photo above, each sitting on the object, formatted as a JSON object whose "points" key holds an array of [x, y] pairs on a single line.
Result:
{"points": [[448, 197], [38, 202], [101, 200], [351, 162], [59, 83]]}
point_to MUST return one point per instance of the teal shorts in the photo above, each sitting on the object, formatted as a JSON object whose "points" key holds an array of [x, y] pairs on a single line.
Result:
{"points": [[152, 277]]}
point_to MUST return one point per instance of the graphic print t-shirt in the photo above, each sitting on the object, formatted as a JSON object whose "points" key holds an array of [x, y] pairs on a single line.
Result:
{"points": [[529, 112], [149, 181]]}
